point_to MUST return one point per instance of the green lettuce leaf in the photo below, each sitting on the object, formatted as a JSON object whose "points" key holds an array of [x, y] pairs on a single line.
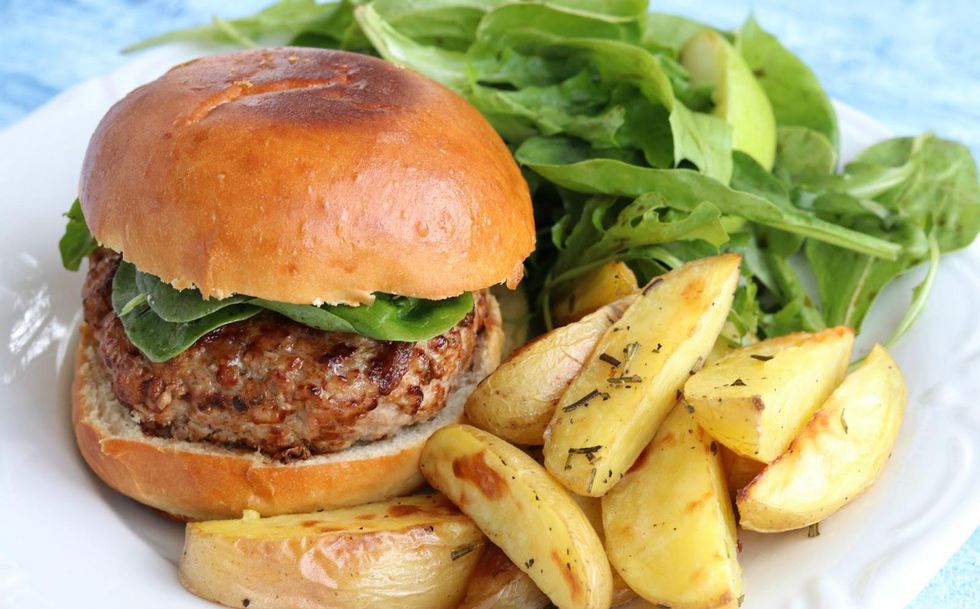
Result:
{"points": [[77, 242]]}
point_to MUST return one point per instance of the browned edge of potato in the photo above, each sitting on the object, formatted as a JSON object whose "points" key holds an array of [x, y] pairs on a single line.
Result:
{"points": [[517, 400], [837, 456], [524, 511], [756, 399], [669, 525], [414, 552], [497, 583]]}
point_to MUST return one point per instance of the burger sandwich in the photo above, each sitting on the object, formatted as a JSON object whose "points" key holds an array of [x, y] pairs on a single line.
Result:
{"points": [[289, 255]]}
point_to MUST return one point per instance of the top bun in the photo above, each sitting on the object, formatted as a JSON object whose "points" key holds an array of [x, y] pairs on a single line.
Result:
{"points": [[306, 176]]}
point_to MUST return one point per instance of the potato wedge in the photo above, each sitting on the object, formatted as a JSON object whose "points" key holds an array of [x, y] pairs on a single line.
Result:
{"points": [[524, 511], [613, 408], [757, 399], [517, 400], [592, 507], [739, 470], [497, 583], [606, 284], [670, 531], [839, 454], [415, 552]]}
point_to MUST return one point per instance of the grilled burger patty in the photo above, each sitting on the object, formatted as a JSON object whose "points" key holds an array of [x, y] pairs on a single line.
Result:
{"points": [[276, 386]]}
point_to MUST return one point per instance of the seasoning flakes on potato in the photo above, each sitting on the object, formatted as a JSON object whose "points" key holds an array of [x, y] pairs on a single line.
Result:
{"points": [[518, 399], [669, 526], [613, 408], [524, 511], [839, 454], [413, 552], [608, 283], [756, 399]]}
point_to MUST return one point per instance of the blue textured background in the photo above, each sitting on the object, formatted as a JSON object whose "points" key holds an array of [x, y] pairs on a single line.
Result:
{"points": [[913, 65]]}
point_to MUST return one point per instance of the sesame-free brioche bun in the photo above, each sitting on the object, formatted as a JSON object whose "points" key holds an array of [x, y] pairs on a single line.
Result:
{"points": [[202, 481], [306, 176]]}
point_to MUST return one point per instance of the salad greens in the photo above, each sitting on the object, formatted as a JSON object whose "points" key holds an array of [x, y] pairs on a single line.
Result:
{"points": [[161, 340], [626, 161], [919, 192], [163, 321], [77, 242]]}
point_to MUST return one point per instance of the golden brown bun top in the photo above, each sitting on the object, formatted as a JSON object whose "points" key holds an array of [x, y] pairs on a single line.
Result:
{"points": [[306, 175]]}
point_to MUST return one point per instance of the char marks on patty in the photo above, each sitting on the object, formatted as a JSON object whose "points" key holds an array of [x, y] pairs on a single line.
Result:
{"points": [[276, 386]]}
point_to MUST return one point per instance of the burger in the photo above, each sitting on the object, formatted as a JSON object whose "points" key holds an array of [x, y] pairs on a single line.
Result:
{"points": [[289, 255]]}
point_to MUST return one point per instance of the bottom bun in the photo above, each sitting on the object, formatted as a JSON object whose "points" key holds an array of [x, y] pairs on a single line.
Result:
{"points": [[201, 481]]}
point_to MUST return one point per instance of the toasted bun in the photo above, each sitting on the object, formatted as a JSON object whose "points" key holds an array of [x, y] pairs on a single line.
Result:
{"points": [[306, 176], [200, 481]]}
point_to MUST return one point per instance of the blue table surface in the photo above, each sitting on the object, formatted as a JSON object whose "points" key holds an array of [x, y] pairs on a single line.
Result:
{"points": [[912, 64]]}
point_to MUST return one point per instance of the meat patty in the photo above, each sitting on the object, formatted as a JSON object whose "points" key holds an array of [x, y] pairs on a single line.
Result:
{"points": [[276, 386]]}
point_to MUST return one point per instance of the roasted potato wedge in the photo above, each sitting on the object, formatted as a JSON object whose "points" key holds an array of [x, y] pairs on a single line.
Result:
{"points": [[670, 531], [739, 470], [415, 552], [497, 583], [757, 399], [592, 507], [517, 400], [606, 284], [839, 454], [612, 409], [524, 511]]}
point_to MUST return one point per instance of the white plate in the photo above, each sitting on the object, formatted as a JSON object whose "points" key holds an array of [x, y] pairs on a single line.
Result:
{"points": [[66, 540]]}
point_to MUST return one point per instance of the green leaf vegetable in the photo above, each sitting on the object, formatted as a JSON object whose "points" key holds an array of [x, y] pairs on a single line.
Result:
{"points": [[627, 162], [160, 340], [920, 192], [162, 321], [797, 98], [77, 242]]}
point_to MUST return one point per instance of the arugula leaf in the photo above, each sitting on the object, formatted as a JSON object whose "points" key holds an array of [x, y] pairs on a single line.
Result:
{"points": [[797, 98], [608, 231], [920, 294], [571, 165], [174, 305], [163, 322], [161, 340], [445, 66], [77, 242], [801, 151], [664, 32], [387, 318], [290, 17], [920, 193]]}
